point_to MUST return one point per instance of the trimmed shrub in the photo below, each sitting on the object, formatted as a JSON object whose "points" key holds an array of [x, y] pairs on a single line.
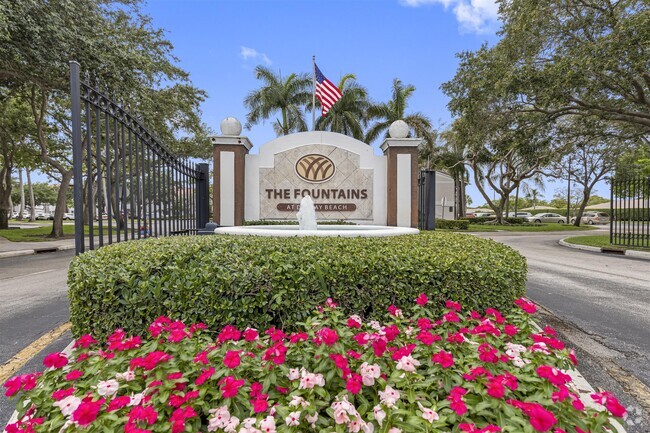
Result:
{"points": [[262, 282], [452, 224]]}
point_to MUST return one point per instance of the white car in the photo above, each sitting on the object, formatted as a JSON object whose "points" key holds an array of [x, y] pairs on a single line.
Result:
{"points": [[68, 216], [547, 218]]}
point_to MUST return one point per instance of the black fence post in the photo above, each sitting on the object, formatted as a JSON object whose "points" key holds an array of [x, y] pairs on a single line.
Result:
{"points": [[427, 202], [77, 158], [202, 196]]}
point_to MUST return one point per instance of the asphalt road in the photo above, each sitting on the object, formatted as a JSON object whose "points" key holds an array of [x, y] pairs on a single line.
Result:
{"points": [[33, 299]]}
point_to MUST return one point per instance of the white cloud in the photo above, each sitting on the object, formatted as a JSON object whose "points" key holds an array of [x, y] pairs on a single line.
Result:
{"points": [[251, 53], [477, 16]]}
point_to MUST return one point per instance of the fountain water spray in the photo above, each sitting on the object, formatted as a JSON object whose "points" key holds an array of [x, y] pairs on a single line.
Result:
{"points": [[307, 214]]}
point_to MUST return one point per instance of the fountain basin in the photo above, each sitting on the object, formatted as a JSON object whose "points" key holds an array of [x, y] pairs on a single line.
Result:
{"points": [[343, 231]]}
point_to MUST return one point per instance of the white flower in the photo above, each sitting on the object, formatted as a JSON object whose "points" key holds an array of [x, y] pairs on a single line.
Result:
{"points": [[409, 331], [368, 427], [136, 399], [394, 430], [296, 401], [233, 422], [428, 414], [389, 396], [293, 419], [408, 364], [127, 376], [354, 426], [220, 418], [311, 419], [379, 414], [268, 424], [375, 325], [107, 388], [68, 404], [369, 373], [341, 416], [294, 374], [309, 380]]}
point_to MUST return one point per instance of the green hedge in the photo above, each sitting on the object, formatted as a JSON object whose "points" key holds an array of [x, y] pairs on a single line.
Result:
{"points": [[452, 224], [260, 282]]}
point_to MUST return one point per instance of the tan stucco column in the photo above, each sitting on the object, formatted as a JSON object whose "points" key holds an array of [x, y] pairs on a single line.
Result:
{"points": [[402, 181], [229, 153]]}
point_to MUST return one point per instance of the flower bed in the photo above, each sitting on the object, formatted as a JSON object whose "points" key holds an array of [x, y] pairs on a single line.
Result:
{"points": [[461, 372]]}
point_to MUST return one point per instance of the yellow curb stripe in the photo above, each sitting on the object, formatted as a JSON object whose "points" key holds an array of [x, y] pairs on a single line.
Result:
{"points": [[21, 358]]}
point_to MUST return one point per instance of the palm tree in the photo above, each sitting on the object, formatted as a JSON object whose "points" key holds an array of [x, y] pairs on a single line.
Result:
{"points": [[289, 97], [386, 113], [348, 115]]}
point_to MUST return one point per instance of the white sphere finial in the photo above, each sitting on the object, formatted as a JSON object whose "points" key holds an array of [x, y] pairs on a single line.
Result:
{"points": [[230, 126], [399, 129]]}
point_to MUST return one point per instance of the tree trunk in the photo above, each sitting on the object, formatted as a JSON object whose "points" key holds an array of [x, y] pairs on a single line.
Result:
{"points": [[57, 224], [22, 194], [516, 200], [30, 189], [5, 195], [585, 198]]}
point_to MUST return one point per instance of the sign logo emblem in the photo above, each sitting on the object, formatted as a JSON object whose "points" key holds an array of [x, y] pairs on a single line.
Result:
{"points": [[315, 168]]}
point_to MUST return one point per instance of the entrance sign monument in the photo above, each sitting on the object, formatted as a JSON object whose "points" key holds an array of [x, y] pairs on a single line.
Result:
{"points": [[342, 175]]}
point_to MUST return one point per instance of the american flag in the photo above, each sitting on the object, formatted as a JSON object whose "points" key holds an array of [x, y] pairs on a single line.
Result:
{"points": [[326, 92]]}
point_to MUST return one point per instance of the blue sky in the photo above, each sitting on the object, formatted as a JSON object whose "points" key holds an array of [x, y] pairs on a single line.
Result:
{"points": [[220, 42]]}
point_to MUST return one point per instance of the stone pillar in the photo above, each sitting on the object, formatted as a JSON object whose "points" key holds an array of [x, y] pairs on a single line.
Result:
{"points": [[402, 177], [229, 154]]}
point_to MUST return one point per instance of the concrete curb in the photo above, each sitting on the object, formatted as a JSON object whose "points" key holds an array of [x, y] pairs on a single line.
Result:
{"points": [[18, 253], [630, 253]]}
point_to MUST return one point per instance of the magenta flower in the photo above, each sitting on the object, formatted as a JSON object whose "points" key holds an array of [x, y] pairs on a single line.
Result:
{"points": [[445, 359], [422, 299], [56, 360], [232, 360]]}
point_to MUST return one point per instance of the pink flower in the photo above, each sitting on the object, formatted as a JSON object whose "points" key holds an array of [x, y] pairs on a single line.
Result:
{"points": [[445, 359], [452, 305], [118, 403], [527, 306], [232, 360], [275, 334], [60, 394], [422, 299], [354, 322], [553, 375], [408, 364], [55, 360], [510, 330], [427, 338], [487, 353], [275, 353], [150, 361], [84, 341], [353, 384], [455, 337], [293, 419], [260, 405], [495, 387], [329, 303], [451, 317], [201, 358], [179, 416], [391, 332], [353, 354], [424, 323], [229, 333], [394, 311], [87, 412], [339, 360], [610, 402], [74, 375], [456, 398], [328, 336], [139, 413], [572, 357], [369, 373], [379, 347], [300, 336], [204, 376], [250, 334], [230, 386], [540, 418]]}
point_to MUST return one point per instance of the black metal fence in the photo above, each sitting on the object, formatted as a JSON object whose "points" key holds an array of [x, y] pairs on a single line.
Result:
{"points": [[427, 200], [127, 184], [630, 211]]}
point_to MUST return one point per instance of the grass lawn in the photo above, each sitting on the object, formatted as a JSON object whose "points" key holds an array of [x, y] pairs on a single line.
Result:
{"points": [[39, 234], [527, 228], [600, 241]]}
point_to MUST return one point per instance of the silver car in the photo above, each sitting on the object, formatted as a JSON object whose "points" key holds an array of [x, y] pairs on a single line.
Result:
{"points": [[593, 218], [547, 218]]}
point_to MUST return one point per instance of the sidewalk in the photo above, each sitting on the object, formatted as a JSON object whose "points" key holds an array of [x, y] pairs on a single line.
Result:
{"points": [[629, 253], [15, 249]]}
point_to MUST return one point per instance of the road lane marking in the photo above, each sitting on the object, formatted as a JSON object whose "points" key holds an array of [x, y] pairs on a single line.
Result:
{"points": [[29, 275], [22, 357]]}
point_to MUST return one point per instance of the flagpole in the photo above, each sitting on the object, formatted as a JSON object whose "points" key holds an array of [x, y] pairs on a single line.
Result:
{"points": [[313, 95]]}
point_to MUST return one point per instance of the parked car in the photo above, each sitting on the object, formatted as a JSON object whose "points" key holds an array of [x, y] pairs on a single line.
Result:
{"points": [[484, 215], [470, 215], [547, 218], [593, 218], [68, 216], [520, 214], [104, 217], [43, 216]]}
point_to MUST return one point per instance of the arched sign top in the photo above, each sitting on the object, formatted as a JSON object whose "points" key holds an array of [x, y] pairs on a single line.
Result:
{"points": [[315, 168], [292, 141]]}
